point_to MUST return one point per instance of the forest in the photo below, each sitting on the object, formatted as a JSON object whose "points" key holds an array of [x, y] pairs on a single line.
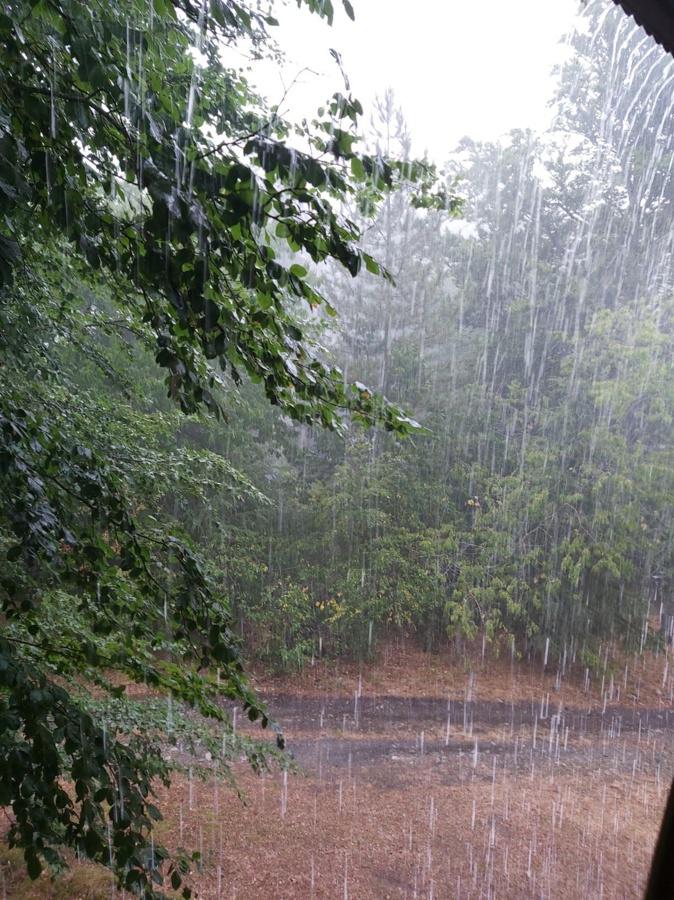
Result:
{"points": [[276, 394]]}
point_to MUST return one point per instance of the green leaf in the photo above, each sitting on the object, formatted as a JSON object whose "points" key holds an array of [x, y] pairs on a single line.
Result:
{"points": [[33, 864], [358, 169]]}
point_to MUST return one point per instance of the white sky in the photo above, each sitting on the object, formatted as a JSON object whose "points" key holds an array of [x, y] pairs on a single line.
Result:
{"points": [[477, 67]]}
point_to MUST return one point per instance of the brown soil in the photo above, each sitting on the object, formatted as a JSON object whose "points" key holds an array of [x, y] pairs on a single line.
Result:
{"points": [[404, 670], [540, 787]]}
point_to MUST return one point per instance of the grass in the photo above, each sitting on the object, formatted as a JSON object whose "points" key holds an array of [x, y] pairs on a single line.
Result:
{"points": [[82, 881]]}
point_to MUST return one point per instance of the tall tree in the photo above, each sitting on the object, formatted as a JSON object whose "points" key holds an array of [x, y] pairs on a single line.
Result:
{"points": [[144, 192]]}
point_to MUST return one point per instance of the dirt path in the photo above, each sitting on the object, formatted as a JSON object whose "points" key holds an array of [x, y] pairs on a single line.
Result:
{"points": [[370, 729], [423, 797], [424, 778], [374, 730]]}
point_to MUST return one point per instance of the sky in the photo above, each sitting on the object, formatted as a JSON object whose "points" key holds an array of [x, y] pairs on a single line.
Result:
{"points": [[476, 67]]}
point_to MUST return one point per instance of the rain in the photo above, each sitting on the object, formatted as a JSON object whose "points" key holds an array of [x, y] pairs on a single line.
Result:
{"points": [[467, 638], [424, 651]]}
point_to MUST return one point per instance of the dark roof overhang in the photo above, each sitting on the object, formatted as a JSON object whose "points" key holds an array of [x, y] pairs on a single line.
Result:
{"points": [[655, 16]]}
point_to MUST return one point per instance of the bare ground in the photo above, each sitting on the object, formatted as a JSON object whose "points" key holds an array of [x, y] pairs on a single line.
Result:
{"points": [[426, 777], [436, 777]]}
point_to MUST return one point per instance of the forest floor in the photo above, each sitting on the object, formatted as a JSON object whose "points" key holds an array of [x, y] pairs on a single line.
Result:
{"points": [[432, 776]]}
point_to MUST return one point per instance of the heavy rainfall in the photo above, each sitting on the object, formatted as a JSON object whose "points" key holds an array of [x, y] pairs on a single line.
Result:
{"points": [[336, 481]]}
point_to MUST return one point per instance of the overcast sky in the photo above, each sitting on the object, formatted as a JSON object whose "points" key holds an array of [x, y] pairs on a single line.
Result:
{"points": [[477, 67]]}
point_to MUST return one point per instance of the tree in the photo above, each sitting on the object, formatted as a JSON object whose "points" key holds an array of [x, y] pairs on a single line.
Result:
{"points": [[534, 340], [144, 193]]}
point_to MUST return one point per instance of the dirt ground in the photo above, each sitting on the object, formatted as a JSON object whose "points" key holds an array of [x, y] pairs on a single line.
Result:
{"points": [[432, 777], [428, 776]]}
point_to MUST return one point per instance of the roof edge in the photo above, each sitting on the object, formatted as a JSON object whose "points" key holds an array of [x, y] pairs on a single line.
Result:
{"points": [[656, 17]]}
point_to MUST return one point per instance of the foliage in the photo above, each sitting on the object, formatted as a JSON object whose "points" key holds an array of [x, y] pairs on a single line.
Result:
{"points": [[534, 340], [151, 214], [172, 254]]}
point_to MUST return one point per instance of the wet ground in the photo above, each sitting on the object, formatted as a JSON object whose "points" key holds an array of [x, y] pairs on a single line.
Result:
{"points": [[425, 797], [427, 777], [337, 731]]}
